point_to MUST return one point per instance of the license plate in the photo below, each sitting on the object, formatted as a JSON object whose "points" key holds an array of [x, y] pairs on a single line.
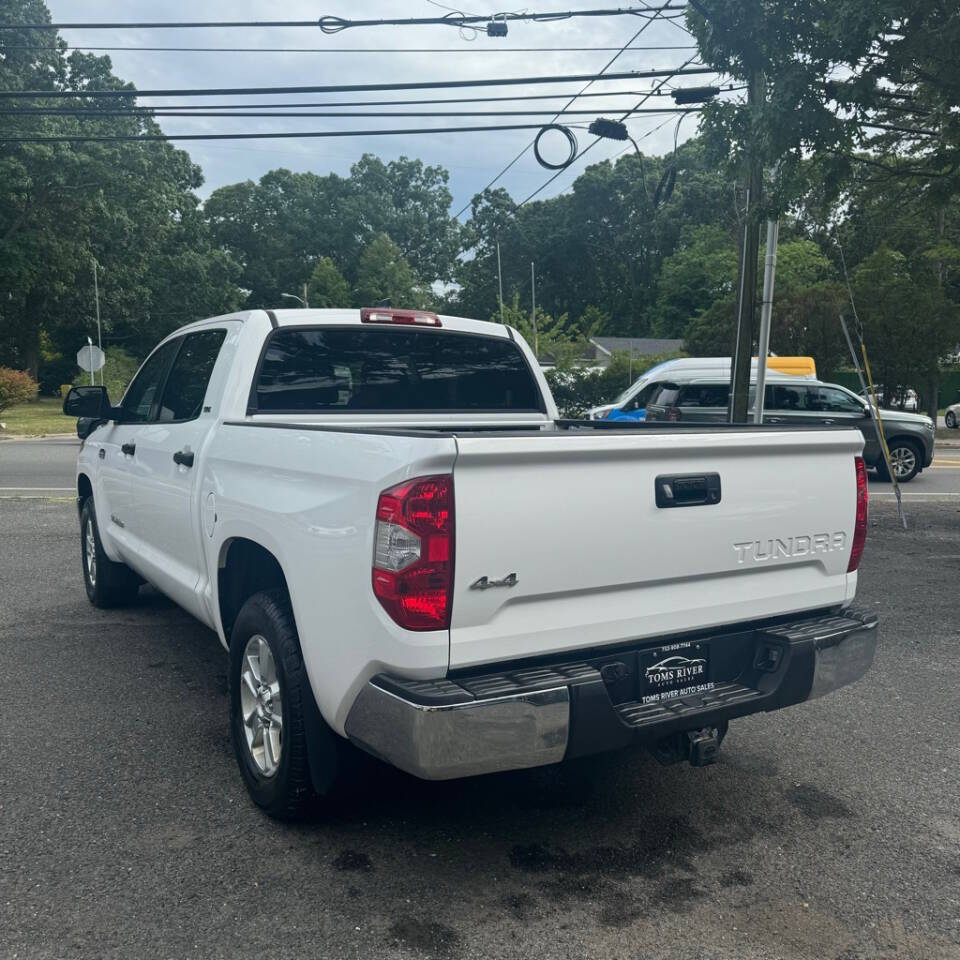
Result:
{"points": [[674, 671]]}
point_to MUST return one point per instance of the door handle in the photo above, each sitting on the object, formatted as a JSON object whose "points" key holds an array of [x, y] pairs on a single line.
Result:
{"points": [[774, 419], [183, 459], [128, 448], [829, 420], [687, 490]]}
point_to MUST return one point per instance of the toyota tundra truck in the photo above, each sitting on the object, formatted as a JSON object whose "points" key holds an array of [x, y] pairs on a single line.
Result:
{"points": [[404, 549]]}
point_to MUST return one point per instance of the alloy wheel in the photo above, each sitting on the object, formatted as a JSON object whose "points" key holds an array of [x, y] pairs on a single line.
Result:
{"points": [[90, 552], [904, 462], [261, 705]]}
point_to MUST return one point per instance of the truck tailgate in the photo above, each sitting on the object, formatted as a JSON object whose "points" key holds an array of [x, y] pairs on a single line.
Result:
{"points": [[576, 552]]}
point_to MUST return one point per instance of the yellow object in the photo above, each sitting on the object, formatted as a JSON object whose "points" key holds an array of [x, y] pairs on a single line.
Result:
{"points": [[65, 388], [795, 366]]}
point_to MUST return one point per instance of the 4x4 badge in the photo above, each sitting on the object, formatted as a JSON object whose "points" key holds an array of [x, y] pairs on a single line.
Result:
{"points": [[485, 583]]}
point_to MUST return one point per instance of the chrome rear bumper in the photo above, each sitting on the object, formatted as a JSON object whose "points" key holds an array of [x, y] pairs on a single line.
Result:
{"points": [[462, 739], [531, 716]]}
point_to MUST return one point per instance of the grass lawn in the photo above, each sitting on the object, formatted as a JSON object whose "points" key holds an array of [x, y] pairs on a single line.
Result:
{"points": [[32, 419]]}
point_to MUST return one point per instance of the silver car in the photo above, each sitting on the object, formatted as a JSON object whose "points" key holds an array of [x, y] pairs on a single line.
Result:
{"points": [[951, 416]]}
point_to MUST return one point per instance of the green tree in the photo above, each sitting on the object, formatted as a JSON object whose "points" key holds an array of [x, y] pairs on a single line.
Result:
{"points": [[130, 206], [892, 301], [701, 271], [327, 286], [384, 274]]}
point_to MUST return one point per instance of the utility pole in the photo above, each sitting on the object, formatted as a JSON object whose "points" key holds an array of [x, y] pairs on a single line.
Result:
{"points": [[306, 303], [766, 312], [533, 311], [96, 300], [500, 280], [747, 301]]}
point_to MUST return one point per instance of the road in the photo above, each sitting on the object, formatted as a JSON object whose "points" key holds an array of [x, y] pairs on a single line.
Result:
{"points": [[38, 468], [826, 832]]}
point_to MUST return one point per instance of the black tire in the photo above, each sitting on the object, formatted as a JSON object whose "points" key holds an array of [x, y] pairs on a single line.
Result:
{"points": [[896, 446], [109, 584], [287, 792], [950, 419]]}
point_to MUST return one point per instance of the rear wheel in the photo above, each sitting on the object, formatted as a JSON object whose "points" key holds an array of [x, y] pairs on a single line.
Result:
{"points": [[904, 459], [951, 420], [108, 584], [269, 693]]}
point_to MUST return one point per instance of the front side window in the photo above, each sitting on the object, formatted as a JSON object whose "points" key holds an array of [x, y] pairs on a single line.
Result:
{"points": [[832, 400], [141, 395], [187, 383], [365, 369], [665, 395]]}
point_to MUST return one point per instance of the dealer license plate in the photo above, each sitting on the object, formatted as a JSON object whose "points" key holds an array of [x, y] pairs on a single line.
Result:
{"points": [[674, 671]]}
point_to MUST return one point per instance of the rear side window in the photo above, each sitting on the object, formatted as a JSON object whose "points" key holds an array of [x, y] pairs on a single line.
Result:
{"points": [[335, 369], [187, 383], [704, 395]]}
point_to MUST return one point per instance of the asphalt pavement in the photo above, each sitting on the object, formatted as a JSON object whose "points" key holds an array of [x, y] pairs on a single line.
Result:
{"points": [[828, 831]]}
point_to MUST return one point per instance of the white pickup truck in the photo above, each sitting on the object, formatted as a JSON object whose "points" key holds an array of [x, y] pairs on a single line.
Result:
{"points": [[404, 549]]}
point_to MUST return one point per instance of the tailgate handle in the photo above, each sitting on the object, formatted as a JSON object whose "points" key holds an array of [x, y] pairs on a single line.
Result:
{"points": [[687, 490]]}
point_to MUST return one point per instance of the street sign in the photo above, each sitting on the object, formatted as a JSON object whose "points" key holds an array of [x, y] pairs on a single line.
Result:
{"points": [[91, 358]]}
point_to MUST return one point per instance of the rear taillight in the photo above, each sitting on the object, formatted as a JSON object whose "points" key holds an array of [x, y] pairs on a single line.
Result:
{"points": [[413, 552], [860, 526]]}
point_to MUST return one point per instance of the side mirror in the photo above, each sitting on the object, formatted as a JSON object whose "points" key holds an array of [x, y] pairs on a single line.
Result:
{"points": [[86, 426], [88, 402]]}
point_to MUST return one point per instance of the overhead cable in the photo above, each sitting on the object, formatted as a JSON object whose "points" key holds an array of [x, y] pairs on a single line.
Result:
{"points": [[533, 143], [594, 142], [285, 135], [347, 87], [377, 50], [160, 112], [198, 107], [332, 24]]}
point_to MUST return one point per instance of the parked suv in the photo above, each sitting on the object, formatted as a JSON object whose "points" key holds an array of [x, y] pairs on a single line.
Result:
{"points": [[789, 400]]}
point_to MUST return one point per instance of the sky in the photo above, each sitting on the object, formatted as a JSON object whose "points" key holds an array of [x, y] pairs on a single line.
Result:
{"points": [[472, 159]]}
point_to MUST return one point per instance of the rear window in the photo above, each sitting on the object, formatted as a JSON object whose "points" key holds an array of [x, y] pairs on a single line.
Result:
{"points": [[353, 368]]}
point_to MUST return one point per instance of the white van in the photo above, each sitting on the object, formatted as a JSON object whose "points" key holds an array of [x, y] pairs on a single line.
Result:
{"points": [[633, 400]]}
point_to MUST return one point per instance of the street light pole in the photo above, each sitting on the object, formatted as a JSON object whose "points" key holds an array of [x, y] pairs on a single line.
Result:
{"points": [[293, 296], [500, 280], [96, 300], [533, 311], [306, 302], [766, 311]]}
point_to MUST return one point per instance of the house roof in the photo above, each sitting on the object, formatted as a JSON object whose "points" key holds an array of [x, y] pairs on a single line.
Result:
{"points": [[636, 346]]}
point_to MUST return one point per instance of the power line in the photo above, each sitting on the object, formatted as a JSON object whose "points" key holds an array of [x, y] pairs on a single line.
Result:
{"points": [[378, 50], [161, 112], [591, 145], [285, 135], [346, 88], [517, 158], [332, 24], [197, 107]]}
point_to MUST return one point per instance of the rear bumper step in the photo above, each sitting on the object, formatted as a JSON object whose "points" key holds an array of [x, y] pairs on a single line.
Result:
{"points": [[529, 716]]}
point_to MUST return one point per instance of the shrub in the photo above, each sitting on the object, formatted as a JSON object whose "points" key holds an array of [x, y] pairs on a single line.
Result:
{"points": [[16, 386]]}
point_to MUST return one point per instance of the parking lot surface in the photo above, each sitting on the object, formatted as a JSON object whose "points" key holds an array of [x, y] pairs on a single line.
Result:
{"points": [[829, 831]]}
